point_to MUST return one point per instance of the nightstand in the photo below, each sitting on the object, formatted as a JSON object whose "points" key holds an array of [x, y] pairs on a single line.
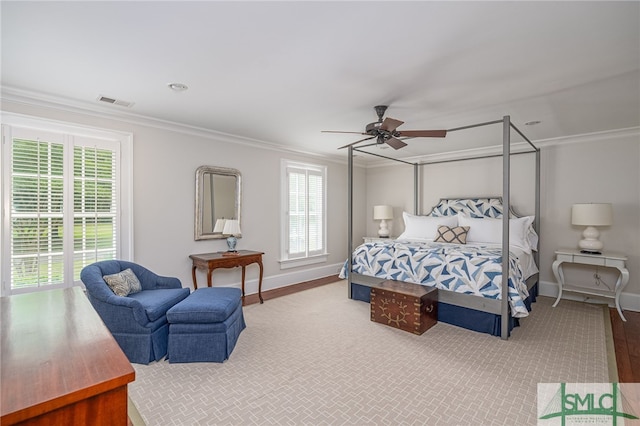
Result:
{"points": [[377, 239], [611, 260]]}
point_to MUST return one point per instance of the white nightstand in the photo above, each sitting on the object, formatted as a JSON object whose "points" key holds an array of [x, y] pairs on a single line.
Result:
{"points": [[611, 260], [376, 239]]}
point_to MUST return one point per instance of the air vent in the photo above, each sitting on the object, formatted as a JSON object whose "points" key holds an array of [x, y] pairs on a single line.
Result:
{"points": [[115, 101]]}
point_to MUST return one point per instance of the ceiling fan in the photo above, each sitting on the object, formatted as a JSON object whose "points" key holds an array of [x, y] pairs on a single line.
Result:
{"points": [[385, 131]]}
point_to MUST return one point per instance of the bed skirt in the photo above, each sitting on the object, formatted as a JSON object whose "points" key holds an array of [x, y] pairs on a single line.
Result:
{"points": [[470, 319]]}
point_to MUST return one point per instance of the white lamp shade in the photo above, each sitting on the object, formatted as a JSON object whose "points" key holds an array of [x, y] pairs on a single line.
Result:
{"points": [[593, 214], [382, 212], [231, 227], [219, 227]]}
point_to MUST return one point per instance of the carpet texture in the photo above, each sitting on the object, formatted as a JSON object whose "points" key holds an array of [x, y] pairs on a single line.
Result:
{"points": [[315, 357]]}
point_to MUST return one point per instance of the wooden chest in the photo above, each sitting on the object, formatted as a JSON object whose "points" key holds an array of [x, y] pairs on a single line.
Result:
{"points": [[407, 306]]}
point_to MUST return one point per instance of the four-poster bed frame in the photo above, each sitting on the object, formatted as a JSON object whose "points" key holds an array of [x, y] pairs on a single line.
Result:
{"points": [[456, 299]]}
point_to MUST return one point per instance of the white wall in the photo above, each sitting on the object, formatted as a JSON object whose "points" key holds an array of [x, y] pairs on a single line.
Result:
{"points": [[595, 168], [164, 165], [599, 170], [165, 161]]}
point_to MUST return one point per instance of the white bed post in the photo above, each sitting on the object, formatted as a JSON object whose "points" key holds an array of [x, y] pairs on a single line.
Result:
{"points": [[506, 208]]}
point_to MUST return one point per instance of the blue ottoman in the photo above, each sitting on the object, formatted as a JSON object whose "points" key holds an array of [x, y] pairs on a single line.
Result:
{"points": [[206, 325]]}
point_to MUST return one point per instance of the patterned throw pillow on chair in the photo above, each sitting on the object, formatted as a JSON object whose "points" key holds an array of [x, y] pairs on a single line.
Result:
{"points": [[123, 283], [456, 234]]}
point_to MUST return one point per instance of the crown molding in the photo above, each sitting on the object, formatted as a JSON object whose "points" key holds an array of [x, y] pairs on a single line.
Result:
{"points": [[42, 100], [519, 147], [47, 101]]}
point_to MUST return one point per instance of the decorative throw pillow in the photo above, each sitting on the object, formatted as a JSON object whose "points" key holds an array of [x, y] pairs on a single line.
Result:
{"points": [[447, 234], [117, 283], [134, 283], [123, 283]]}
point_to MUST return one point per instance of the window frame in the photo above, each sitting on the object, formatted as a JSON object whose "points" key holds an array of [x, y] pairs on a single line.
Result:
{"points": [[308, 257], [70, 135]]}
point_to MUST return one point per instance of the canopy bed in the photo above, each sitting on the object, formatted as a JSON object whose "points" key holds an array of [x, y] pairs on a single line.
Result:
{"points": [[468, 276]]}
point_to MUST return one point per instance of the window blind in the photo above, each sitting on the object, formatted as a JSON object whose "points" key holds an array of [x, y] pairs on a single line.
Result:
{"points": [[94, 206], [305, 211], [37, 184], [64, 203]]}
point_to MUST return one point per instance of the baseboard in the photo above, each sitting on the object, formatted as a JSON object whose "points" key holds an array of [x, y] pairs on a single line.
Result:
{"points": [[135, 419], [628, 301], [290, 289], [274, 282]]}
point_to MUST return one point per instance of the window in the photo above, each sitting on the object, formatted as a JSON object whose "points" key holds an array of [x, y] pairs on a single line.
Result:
{"points": [[62, 192], [304, 237]]}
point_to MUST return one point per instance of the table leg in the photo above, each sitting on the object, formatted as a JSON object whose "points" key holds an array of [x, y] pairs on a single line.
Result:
{"points": [[557, 272], [209, 277], [243, 273], [193, 276], [260, 283], [620, 284]]}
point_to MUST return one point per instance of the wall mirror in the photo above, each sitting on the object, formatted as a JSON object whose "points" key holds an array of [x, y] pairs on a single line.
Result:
{"points": [[218, 195]]}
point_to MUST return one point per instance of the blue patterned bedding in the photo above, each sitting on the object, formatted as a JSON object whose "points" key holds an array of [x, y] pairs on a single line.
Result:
{"points": [[464, 269]]}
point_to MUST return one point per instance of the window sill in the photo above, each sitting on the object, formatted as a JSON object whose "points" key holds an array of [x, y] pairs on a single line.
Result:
{"points": [[303, 261]]}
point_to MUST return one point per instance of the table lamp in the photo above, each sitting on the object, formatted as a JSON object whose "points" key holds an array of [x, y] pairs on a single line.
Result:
{"points": [[383, 213], [591, 215], [232, 229]]}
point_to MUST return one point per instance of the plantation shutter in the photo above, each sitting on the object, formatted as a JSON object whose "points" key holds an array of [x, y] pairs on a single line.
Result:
{"points": [[315, 212], [297, 212], [94, 206], [63, 197], [37, 185], [305, 215]]}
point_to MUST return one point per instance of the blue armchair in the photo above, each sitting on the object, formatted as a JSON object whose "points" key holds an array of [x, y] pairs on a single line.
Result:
{"points": [[138, 321]]}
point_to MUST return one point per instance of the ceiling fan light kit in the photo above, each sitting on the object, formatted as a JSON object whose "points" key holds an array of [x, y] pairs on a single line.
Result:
{"points": [[385, 131]]}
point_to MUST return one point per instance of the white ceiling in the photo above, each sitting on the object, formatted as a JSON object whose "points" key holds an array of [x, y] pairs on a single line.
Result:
{"points": [[280, 72]]}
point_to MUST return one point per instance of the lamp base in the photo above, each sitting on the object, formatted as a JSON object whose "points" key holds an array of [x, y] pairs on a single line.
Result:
{"points": [[231, 242], [590, 243], [383, 232]]}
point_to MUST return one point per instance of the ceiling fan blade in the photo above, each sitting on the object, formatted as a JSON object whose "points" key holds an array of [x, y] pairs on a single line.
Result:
{"points": [[423, 133], [353, 143], [338, 131], [395, 143], [390, 124]]}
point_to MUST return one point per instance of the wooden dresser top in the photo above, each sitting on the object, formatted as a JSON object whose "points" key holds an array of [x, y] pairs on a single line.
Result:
{"points": [[55, 350]]}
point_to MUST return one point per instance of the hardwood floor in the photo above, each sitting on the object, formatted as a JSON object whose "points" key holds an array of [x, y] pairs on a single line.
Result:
{"points": [[283, 291], [626, 340], [626, 335]]}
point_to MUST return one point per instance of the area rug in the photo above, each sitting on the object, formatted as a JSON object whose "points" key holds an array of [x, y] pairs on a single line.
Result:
{"points": [[315, 358]]}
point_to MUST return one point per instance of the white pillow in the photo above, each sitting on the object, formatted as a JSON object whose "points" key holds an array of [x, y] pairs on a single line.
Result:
{"points": [[424, 227], [489, 230]]}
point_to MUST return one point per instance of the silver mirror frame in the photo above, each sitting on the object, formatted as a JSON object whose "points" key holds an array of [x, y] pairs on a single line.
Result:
{"points": [[223, 171]]}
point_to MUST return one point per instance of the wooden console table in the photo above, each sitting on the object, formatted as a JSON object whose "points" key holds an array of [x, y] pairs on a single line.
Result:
{"points": [[60, 365], [211, 261]]}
